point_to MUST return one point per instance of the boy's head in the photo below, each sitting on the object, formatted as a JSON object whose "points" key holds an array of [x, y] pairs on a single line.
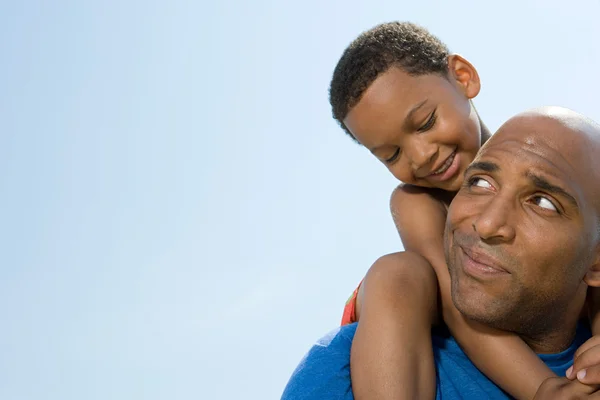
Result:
{"points": [[399, 92]]}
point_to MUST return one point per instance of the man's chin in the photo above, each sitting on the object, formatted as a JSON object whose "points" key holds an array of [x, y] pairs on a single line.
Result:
{"points": [[473, 310], [475, 304]]}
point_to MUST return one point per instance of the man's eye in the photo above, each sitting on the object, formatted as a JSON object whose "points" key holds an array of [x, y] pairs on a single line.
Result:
{"points": [[479, 182], [543, 202], [393, 157]]}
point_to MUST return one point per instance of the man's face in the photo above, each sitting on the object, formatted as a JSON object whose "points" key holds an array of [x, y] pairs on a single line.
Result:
{"points": [[422, 128], [520, 233]]}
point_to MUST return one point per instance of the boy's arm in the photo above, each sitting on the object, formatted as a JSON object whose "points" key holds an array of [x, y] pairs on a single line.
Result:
{"points": [[587, 357], [392, 353], [420, 217]]}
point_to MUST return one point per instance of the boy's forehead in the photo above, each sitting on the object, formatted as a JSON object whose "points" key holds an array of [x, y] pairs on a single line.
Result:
{"points": [[396, 84], [394, 88]]}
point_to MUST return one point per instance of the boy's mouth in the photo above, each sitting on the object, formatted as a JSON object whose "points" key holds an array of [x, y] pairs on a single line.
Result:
{"points": [[446, 171], [444, 167]]}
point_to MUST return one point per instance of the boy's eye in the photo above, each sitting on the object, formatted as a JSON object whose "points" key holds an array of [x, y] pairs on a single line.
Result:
{"points": [[394, 157], [543, 202], [429, 123]]}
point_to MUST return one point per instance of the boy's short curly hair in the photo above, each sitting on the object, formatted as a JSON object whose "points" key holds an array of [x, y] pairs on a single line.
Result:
{"points": [[401, 44]]}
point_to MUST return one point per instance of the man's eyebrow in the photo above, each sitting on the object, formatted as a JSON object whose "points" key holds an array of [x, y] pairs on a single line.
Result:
{"points": [[543, 184], [485, 166]]}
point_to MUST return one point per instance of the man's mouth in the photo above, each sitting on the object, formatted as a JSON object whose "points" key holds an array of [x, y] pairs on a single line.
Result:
{"points": [[480, 265]]}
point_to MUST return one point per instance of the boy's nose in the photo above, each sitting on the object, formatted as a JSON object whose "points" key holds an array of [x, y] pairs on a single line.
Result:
{"points": [[421, 158]]}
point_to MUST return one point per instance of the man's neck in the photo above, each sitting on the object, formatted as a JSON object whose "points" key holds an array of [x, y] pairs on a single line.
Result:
{"points": [[556, 331], [552, 342]]}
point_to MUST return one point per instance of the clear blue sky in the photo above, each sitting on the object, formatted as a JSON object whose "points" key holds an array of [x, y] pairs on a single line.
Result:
{"points": [[180, 216]]}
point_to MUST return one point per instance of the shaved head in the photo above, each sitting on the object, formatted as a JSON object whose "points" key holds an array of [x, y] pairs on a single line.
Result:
{"points": [[583, 131], [567, 117]]}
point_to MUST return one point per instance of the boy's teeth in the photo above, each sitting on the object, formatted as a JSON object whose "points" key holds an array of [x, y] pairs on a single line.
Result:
{"points": [[445, 166]]}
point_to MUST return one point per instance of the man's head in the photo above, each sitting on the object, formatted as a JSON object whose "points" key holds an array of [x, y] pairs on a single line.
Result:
{"points": [[398, 91], [523, 233]]}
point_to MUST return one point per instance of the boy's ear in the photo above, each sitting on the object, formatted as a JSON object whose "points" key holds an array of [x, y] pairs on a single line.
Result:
{"points": [[465, 75], [592, 276]]}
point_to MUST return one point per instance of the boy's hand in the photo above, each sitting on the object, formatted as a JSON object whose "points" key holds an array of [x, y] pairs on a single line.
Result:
{"points": [[586, 364], [562, 388]]}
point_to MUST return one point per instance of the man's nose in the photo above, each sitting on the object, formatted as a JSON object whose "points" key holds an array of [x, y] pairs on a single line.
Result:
{"points": [[494, 222]]}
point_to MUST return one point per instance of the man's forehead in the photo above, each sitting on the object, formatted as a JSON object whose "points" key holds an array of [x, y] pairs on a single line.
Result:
{"points": [[524, 155], [564, 148], [534, 144]]}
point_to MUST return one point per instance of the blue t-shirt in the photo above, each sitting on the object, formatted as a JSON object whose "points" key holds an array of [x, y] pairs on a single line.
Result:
{"points": [[324, 373]]}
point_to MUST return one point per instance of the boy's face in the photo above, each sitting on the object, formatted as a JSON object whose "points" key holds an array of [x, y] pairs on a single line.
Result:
{"points": [[422, 128]]}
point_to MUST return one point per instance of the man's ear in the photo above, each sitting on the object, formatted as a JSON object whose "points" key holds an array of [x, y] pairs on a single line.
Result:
{"points": [[592, 276], [464, 74]]}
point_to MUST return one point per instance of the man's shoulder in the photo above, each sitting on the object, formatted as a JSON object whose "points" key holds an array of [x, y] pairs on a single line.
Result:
{"points": [[339, 336], [336, 342], [324, 372]]}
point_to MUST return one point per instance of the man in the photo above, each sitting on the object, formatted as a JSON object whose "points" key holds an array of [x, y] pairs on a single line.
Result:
{"points": [[522, 244]]}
